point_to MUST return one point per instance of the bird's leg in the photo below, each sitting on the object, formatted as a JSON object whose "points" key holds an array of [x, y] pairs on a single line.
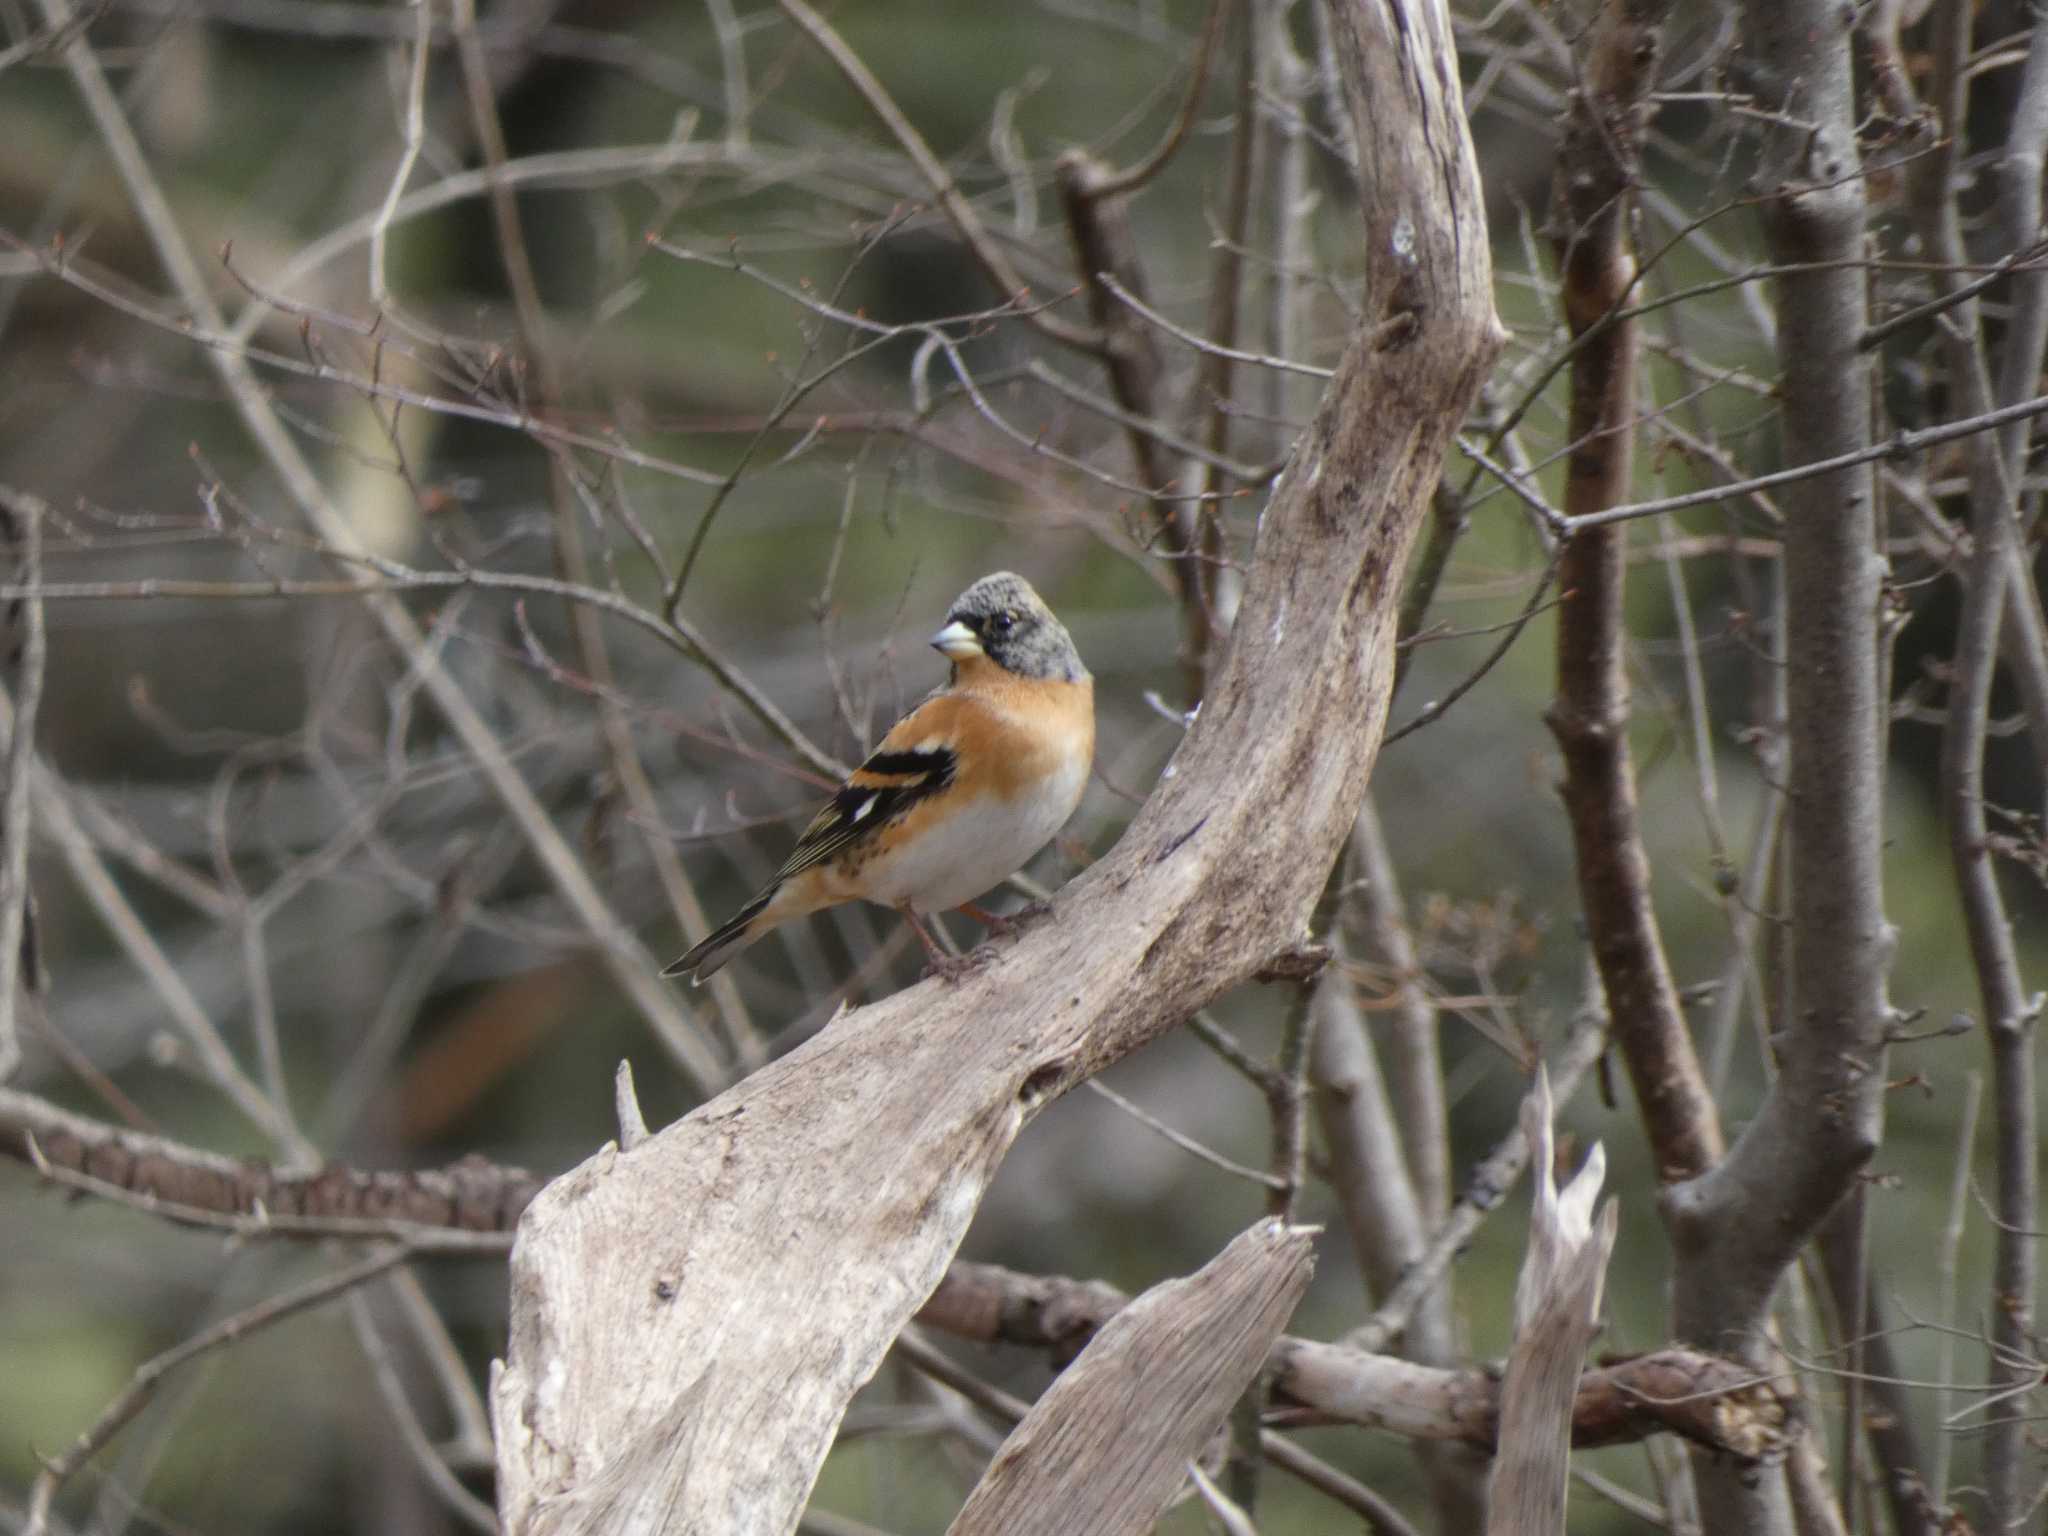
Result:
{"points": [[1001, 925], [951, 967]]}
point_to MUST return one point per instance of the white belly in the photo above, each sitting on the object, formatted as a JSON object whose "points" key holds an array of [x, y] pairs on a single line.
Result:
{"points": [[989, 840]]}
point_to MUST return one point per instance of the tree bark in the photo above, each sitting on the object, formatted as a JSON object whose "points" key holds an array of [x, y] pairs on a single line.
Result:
{"points": [[1597, 168], [1107, 1447], [1737, 1227]]}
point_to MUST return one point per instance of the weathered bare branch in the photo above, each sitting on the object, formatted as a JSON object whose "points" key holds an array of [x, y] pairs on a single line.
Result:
{"points": [[471, 1207], [1557, 1312], [1108, 1444], [826, 1194]]}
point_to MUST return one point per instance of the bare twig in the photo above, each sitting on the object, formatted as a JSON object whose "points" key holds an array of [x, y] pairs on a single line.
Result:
{"points": [[1132, 177], [1271, 1182], [458, 1500], [943, 186], [1490, 1181], [152, 1372], [1902, 444], [23, 519], [631, 967], [2008, 1013]]}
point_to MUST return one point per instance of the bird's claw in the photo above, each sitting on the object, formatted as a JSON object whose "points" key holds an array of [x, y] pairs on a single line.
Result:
{"points": [[954, 968], [1008, 925]]}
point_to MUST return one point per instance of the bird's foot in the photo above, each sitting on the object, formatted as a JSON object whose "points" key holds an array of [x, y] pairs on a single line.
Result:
{"points": [[1007, 925], [938, 962], [952, 969]]}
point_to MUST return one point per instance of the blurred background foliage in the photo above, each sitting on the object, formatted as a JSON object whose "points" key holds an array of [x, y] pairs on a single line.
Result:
{"points": [[432, 996]]}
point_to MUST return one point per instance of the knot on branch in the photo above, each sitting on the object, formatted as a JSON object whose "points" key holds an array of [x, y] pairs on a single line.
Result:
{"points": [[1578, 728], [1708, 1399], [1301, 962]]}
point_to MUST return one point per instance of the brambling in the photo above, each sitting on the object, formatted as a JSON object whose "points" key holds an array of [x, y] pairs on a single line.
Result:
{"points": [[961, 792]]}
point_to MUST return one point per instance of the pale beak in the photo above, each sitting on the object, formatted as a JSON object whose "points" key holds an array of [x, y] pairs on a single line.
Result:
{"points": [[956, 642]]}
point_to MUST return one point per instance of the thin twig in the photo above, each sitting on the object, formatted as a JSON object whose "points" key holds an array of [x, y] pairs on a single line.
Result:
{"points": [[16, 935], [1902, 444], [631, 967], [1435, 709], [1490, 1181], [458, 1500], [1202, 343], [943, 186], [1187, 1143], [413, 133], [133, 1398], [1115, 183]]}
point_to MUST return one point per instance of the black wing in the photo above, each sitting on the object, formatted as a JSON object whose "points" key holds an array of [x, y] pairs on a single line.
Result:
{"points": [[881, 789]]}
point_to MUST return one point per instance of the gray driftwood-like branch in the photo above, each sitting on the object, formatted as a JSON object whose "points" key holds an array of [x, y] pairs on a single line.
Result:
{"points": [[689, 1318], [1557, 1312], [1107, 1446]]}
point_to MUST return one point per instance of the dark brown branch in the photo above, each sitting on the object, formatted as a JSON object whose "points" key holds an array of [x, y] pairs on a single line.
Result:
{"points": [[1597, 166], [1710, 1401], [1099, 226], [185, 1184]]}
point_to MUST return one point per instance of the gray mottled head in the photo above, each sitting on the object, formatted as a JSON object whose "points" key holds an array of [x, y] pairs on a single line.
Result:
{"points": [[1000, 617]]}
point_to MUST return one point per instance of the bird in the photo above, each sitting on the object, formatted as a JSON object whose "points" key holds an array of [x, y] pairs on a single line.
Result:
{"points": [[959, 795]]}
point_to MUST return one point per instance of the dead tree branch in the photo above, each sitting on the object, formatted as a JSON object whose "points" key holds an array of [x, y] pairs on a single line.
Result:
{"points": [[1107, 1446], [1557, 1312], [690, 1318]]}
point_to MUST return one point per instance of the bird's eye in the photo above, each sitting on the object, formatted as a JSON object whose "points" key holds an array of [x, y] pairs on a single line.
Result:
{"points": [[1002, 623]]}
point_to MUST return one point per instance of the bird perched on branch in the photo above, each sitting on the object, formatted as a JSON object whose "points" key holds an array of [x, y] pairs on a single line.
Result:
{"points": [[961, 792]]}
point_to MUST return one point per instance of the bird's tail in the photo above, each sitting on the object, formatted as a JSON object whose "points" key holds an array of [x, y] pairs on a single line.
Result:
{"points": [[724, 941]]}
